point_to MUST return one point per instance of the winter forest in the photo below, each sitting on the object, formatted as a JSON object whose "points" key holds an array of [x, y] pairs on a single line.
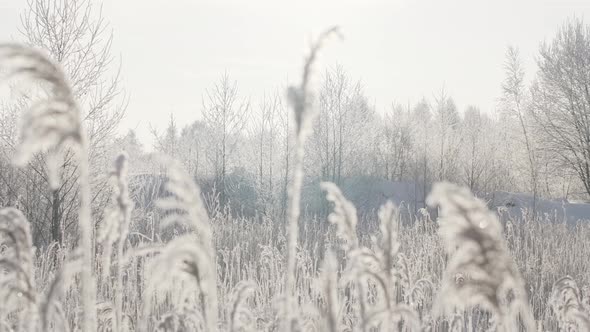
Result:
{"points": [[307, 208]]}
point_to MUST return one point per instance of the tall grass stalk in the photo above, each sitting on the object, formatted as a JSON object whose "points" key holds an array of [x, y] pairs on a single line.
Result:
{"points": [[191, 255], [19, 285], [344, 216], [115, 231], [301, 99], [53, 124]]}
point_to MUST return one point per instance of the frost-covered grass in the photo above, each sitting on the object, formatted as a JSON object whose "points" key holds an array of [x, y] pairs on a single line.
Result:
{"points": [[203, 269], [407, 274]]}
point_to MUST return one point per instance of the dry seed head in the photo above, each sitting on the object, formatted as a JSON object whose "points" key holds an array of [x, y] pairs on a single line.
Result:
{"points": [[343, 215], [51, 123], [565, 302], [241, 317], [301, 97], [473, 237], [191, 256]]}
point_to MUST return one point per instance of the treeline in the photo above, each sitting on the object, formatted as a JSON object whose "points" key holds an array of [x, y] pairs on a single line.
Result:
{"points": [[537, 139], [240, 150]]}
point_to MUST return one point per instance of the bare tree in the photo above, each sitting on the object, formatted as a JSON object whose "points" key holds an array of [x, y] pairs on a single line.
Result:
{"points": [[421, 121], [193, 141], [447, 122], [561, 98], [514, 100], [478, 148], [169, 141], [397, 142], [343, 116], [77, 37], [226, 116], [265, 131]]}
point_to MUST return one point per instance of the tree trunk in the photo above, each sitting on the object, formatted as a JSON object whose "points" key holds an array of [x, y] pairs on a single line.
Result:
{"points": [[56, 235]]}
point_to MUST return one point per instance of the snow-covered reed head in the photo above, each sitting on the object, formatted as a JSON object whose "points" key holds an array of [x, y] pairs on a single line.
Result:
{"points": [[473, 238], [50, 124], [121, 192], [118, 214], [190, 256], [241, 317], [301, 97], [115, 230], [343, 215], [373, 271], [52, 121], [567, 306], [388, 224], [184, 202]]}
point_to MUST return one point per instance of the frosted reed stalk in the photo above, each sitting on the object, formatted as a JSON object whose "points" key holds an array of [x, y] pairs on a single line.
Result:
{"points": [[301, 100]]}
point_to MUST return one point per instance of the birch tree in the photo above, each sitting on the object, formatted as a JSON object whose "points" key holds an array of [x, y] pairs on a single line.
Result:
{"points": [[561, 98], [226, 114], [514, 100]]}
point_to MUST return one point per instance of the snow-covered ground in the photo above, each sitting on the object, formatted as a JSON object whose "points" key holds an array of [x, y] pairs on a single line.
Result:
{"points": [[369, 193], [517, 203]]}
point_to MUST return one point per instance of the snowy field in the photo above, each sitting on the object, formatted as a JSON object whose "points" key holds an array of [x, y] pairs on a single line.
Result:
{"points": [[309, 206]]}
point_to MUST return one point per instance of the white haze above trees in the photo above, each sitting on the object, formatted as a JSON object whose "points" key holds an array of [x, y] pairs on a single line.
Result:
{"points": [[280, 214]]}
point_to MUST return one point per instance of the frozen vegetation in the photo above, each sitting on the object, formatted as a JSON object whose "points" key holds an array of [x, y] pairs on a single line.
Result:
{"points": [[313, 213]]}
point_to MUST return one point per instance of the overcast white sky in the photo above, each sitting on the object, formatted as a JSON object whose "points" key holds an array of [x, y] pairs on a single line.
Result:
{"points": [[401, 49]]}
